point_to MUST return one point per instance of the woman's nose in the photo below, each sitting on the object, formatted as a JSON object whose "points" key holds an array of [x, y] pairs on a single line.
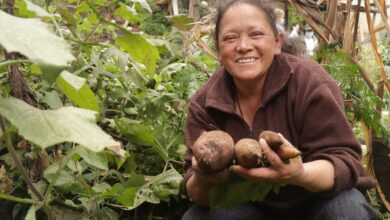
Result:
{"points": [[244, 44]]}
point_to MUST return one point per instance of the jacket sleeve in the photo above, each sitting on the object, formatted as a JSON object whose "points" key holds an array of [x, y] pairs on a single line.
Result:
{"points": [[327, 134], [197, 122]]}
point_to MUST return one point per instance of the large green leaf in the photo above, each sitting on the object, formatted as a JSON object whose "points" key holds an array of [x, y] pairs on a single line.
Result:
{"points": [[48, 127], [32, 38], [77, 90], [237, 190], [141, 51]]}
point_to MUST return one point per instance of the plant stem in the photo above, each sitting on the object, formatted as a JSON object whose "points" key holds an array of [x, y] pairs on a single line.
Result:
{"points": [[18, 199], [57, 27], [19, 165], [10, 62]]}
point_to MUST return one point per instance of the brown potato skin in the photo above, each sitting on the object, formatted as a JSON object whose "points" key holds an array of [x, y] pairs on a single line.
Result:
{"points": [[276, 143], [248, 153], [213, 151]]}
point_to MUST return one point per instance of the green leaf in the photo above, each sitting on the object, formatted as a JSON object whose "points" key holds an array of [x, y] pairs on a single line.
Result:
{"points": [[101, 187], [31, 213], [70, 19], [182, 22], [32, 38], [48, 127], [77, 90], [144, 4], [237, 190], [52, 99], [171, 69], [126, 197], [35, 69], [96, 159], [61, 176], [136, 46], [29, 9], [22, 11], [92, 18], [106, 213], [135, 180], [140, 134], [158, 189], [83, 7], [127, 13]]}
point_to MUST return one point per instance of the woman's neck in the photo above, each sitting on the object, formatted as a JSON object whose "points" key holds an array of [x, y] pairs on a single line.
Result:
{"points": [[248, 98], [249, 90]]}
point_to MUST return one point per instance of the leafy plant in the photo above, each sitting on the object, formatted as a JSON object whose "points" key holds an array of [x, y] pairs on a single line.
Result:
{"points": [[105, 137], [364, 102]]}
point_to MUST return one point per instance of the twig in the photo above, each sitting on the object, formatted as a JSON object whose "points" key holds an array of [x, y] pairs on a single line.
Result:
{"points": [[30, 185], [11, 62], [57, 26], [19, 165], [115, 205], [18, 199], [150, 216]]}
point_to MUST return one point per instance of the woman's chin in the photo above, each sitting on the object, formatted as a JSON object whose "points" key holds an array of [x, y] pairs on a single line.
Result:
{"points": [[248, 77]]}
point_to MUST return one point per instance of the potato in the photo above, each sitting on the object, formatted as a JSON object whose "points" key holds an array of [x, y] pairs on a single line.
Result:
{"points": [[276, 143], [213, 151], [247, 153]]}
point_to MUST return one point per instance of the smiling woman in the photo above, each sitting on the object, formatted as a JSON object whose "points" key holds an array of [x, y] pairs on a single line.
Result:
{"points": [[259, 88], [247, 47]]}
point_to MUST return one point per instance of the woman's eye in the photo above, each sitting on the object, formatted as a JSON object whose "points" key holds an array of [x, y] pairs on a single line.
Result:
{"points": [[229, 38], [256, 34]]}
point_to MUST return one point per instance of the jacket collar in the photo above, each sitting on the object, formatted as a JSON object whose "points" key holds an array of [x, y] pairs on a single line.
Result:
{"points": [[221, 95]]}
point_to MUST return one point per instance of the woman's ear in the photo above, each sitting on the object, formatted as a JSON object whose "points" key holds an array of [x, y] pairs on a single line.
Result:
{"points": [[278, 43]]}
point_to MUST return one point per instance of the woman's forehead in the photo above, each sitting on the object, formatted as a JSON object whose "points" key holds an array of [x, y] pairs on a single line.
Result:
{"points": [[244, 15]]}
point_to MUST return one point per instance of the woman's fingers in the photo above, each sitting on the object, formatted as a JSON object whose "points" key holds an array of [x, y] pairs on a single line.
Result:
{"points": [[278, 170], [214, 178], [262, 173], [271, 155]]}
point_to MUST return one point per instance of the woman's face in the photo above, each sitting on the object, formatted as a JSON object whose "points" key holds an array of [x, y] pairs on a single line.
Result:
{"points": [[247, 44]]}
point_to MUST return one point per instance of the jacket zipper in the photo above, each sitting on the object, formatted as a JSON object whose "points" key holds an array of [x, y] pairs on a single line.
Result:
{"points": [[250, 130]]}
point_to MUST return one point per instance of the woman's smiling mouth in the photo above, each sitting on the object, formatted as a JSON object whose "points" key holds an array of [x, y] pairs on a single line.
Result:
{"points": [[247, 60]]}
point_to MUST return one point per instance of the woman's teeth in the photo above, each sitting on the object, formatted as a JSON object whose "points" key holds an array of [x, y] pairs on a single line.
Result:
{"points": [[246, 60]]}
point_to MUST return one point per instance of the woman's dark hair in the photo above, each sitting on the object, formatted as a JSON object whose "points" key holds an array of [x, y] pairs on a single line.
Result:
{"points": [[263, 5]]}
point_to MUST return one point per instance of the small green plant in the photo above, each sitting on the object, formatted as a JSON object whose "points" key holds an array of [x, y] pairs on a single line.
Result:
{"points": [[157, 23]]}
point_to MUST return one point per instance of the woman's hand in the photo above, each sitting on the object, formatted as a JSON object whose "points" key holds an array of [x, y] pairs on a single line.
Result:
{"points": [[200, 183], [212, 179], [314, 176], [278, 171]]}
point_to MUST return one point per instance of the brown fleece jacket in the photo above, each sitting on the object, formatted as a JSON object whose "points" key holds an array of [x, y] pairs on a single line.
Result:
{"points": [[300, 101]]}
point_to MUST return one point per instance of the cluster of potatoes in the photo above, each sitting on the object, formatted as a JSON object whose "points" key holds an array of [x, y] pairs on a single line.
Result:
{"points": [[216, 150]]}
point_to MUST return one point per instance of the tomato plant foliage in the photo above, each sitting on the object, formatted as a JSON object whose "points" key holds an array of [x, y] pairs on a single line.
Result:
{"points": [[105, 137]]}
